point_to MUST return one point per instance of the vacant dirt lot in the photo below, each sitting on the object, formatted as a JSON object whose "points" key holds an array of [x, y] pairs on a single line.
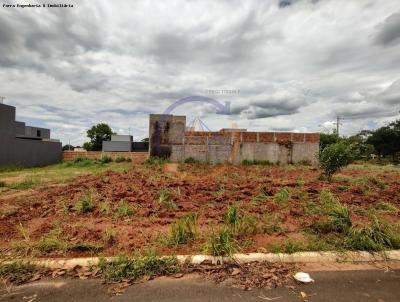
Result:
{"points": [[124, 211]]}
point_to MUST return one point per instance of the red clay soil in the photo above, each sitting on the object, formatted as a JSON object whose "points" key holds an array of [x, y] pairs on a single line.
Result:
{"points": [[206, 190]]}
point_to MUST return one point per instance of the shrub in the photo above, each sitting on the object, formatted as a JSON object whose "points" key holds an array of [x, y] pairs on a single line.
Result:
{"points": [[3, 184], [191, 160], [123, 267], [334, 157], [183, 230], [105, 160], [120, 159], [221, 243]]}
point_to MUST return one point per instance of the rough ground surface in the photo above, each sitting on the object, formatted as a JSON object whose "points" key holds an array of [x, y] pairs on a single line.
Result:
{"points": [[206, 190], [365, 285]]}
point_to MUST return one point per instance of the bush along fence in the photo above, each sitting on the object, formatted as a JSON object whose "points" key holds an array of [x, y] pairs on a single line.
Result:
{"points": [[136, 157]]}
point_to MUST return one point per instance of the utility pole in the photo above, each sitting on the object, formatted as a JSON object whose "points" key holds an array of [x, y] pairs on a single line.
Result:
{"points": [[2, 99], [338, 118]]}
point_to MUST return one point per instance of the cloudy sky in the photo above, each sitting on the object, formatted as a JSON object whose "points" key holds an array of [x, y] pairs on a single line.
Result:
{"points": [[291, 65]]}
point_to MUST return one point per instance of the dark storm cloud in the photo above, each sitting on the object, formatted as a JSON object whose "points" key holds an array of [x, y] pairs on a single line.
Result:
{"points": [[275, 104], [389, 31], [233, 46], [51, 45]]}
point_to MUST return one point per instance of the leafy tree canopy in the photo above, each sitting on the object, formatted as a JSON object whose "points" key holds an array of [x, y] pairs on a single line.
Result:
{"points": [[97, 134]]}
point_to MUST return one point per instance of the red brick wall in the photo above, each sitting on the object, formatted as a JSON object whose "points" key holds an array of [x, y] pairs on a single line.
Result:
{"points": [[137, 157]]}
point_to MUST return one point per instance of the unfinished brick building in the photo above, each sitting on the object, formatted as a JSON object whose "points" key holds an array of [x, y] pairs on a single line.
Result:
{"points": [[169, 138]]}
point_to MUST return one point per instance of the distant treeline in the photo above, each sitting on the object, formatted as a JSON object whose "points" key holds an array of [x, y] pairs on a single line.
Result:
{"points": [[382, 143]]}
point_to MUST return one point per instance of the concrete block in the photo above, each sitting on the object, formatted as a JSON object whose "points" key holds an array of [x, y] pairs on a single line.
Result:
{"points": [[198, 152]]}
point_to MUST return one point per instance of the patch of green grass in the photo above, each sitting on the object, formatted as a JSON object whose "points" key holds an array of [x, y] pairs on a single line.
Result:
{"points": [[271, 224], [387, 207], [258, 199], [3, 184], [156, 161], [85, 247], [109, 236], [247, 162], [86, 203], [183, 230], [105, 207], [318, 243], [221, 243], [164, 195], [191, 160], [27, 183], [282, 196], [120, 159], [377, 182], [17, 272], [300, 182], [124, 209], [293, 246], [238, 221], [133, 268], [327, 199], [221, 191], [312, 208], [377, 236], [105, 160], [50, 243]]}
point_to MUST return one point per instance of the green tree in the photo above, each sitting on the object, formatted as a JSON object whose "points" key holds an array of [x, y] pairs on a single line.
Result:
{"points": [[334, 157], [386, 140], [361, 148], [97, 134], [327, 139], [68, 147]]}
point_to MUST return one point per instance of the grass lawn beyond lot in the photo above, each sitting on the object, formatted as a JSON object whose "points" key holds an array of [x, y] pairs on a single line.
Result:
{"points": [[93, 208]]}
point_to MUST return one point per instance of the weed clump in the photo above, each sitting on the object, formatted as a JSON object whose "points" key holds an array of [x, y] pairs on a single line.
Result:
{"points": [[191, 160], [27, 183], [86, 203], [376, 237], [221, 243], [149, 264], [124, 209], [238, 222], [17, 272], [247, 162], [105, 160], [121, 159], [156, 160], [183, 230], [282, 196]]}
